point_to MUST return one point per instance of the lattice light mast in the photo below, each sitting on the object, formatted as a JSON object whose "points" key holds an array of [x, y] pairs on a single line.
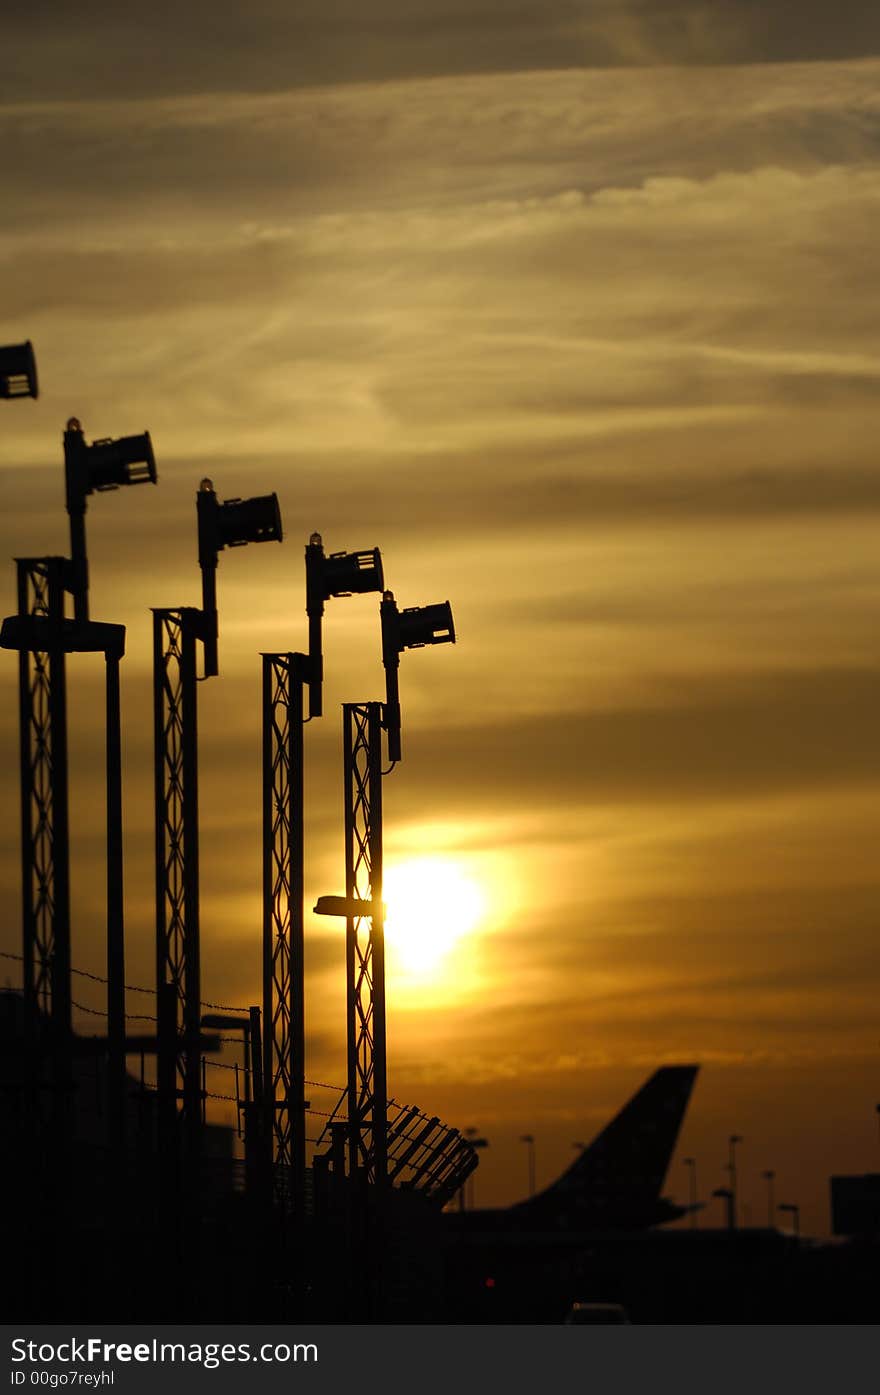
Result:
{"points": [[43, 637], [176, 634], [284, 678], [362, 904]]}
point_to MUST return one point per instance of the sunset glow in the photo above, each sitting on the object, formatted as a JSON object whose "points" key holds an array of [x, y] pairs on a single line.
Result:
{"points": [[432, 905]]}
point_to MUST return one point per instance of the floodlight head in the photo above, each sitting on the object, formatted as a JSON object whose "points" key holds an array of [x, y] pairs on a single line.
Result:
{"points": [[407, 629], [414, 628], [104, 464], [340, 574], [18, 371], [234, 523], [101, 466]]}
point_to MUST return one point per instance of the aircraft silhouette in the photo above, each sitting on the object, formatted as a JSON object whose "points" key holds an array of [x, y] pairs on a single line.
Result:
{"points": [[615, 1183]]}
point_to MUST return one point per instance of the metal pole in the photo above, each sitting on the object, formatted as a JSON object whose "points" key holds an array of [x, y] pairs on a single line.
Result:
{"points": [[377, 938], [26, 771], [79, 563], [61, 1005], [192, 1084], [115, 924]]}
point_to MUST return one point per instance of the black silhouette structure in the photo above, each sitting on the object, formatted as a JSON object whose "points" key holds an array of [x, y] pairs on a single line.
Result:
{"points": [[122, 1202], [615, 1183], [285, 679], [176, 635]]}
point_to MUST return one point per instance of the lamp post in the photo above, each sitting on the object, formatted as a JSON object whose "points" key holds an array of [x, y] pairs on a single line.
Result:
{"points": [[529, 1141], [733, 1140], [104, 465], [691, 1165], [286, 678], [768, 1174], [176, 635], [473, 1138]]}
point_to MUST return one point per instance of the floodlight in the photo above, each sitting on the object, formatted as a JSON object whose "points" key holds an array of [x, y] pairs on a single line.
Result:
{"points": [[339, 574], [413, 628], [101, 466], [234, 523], [105, 464], [18, 371]]}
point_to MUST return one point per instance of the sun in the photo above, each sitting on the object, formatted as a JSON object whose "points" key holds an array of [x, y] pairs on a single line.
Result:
{"points": [[431, 904]]}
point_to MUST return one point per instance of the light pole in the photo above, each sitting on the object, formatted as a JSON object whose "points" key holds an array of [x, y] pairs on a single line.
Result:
{"points": [[795, 1212], [733, 1140], [768, 1176], [691, 1165], [472, 1136], [529, 1140]]}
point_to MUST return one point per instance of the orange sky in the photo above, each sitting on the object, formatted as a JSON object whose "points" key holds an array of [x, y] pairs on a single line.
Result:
{"points": [[577, 322]]}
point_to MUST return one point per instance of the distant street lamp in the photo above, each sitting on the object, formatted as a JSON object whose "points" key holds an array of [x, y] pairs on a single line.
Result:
{"points": [[768, 1176], [795, 1212], [733, 1140], [691, 1164], [472, 1136], [529, 1140]]}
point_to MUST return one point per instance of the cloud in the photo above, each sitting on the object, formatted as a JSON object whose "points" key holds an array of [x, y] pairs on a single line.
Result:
{"points": [[115, 50]]}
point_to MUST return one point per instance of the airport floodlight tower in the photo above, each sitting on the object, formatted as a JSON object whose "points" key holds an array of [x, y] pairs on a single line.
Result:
{"points": [[18, 371], [362, 906], [285, 676], [407, 629], [43, 637], [176, 634]]}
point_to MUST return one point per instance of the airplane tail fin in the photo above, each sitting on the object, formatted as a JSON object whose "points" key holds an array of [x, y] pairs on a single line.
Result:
{"points": [[617, 1179]]}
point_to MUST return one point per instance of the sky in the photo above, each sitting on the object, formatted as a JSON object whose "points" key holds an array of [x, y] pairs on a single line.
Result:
{"points": [[571, 309]]}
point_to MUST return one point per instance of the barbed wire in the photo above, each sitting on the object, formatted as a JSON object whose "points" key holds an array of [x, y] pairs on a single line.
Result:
{"points": [[130, 988], [146, 1017]]}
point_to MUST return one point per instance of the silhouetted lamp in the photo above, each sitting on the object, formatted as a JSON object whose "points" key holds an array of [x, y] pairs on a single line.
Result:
{"points": [[407, 629], [529, 1140], [476, 1141], [339, 574], [18, 371], [104, 465], [234, 523]]}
